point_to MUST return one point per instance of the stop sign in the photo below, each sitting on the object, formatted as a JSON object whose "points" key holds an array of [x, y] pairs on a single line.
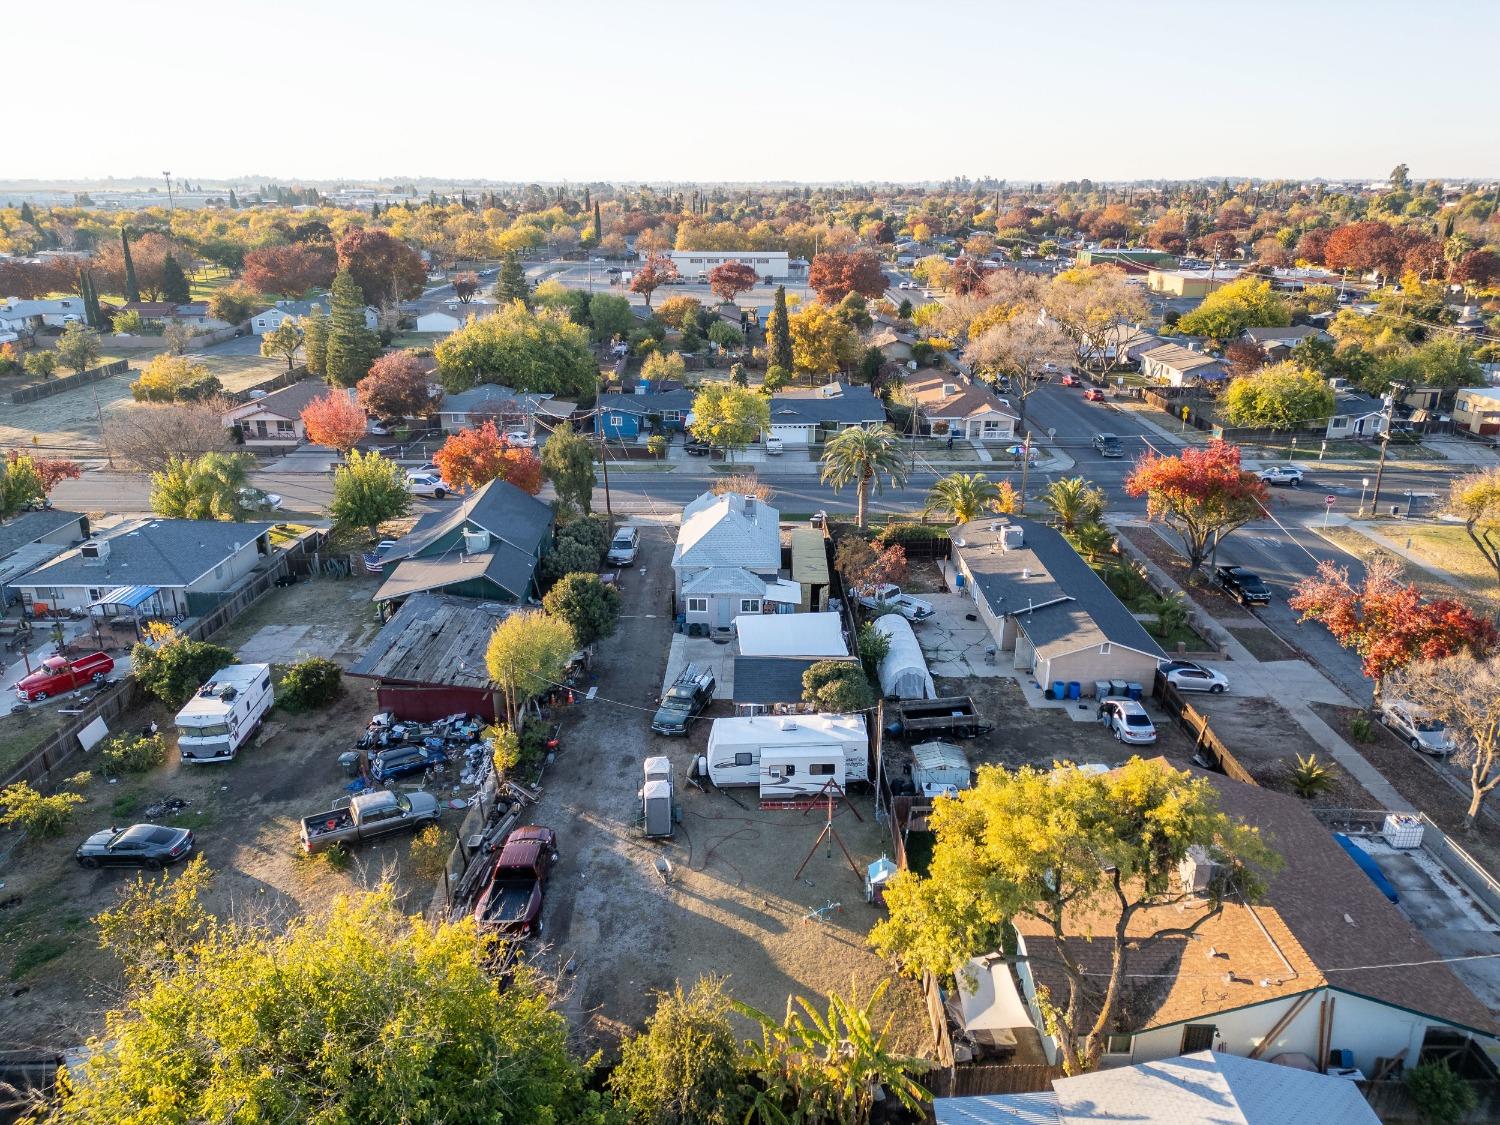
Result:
{"points": [[1328, 500]]}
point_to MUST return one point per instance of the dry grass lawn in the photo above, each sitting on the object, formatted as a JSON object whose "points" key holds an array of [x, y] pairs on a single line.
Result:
{"points": [[1483, 596]]}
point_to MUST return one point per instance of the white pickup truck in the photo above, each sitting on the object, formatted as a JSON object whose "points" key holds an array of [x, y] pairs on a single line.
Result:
{"points": [[889, 596]]}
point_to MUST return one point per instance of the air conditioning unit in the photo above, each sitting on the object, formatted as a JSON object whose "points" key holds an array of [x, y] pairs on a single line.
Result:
{"points": [[1197, 870], [476, 541], [788, 724], [95, 549], [1012, 536]]}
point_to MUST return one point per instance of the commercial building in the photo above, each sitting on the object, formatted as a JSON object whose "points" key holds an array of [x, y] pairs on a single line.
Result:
{"points": [[694, 265], [1188, 283]]}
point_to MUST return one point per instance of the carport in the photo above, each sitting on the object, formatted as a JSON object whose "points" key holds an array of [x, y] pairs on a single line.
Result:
{"points": [[126, 606]]}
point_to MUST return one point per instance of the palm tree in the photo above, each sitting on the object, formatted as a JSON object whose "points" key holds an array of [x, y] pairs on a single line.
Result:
{"points": [[858, 456], [1074, 502], [962, 495], [1171, 613], [1093, 540]]}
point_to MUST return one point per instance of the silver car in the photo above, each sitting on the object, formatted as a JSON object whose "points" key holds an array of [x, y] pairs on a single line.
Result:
{"points": [[1422, 732]]}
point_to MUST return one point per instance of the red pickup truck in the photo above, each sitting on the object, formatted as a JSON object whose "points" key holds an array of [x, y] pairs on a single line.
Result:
{"points": [[58, 675], [511, 901]]}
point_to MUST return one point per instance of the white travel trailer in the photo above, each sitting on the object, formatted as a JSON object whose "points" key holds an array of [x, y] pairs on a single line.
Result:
{"points": [[224, 713], [788, 755]]}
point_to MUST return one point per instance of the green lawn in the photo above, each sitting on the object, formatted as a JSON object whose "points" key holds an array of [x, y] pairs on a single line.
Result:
{"points": [[23, 733], [1483, 594]]}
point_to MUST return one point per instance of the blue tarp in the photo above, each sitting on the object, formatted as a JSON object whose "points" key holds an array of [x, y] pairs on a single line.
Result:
{"points": [[1368, 866], [131, 596]]}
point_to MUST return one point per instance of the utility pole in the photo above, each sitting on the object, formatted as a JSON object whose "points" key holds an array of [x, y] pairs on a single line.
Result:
{"points": [[1385, 442], [609, 510], [170, 207], [1025, 467]]}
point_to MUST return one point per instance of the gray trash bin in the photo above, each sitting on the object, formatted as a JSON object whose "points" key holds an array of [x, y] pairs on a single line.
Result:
{"points": [[349, 759]]}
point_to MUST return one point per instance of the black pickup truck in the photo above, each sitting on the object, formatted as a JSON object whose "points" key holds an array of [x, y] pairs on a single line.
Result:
{"points": [[1245, 586]]}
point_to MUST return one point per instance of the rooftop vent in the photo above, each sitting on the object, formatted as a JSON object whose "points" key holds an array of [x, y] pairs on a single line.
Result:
{"points": [[476, 540], [950, 389], [788, 724]]}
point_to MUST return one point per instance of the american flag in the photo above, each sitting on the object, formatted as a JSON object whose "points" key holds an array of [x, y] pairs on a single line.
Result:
{"points": [[373, 562]]}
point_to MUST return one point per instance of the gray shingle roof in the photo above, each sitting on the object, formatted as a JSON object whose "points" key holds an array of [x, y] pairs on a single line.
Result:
{"points": [[1071, 607], [770, 679], [28, 527], [810, 406], [616, 402], [1290, 332], [289, 402], [433, 639], [172, 553], [722, 532], [502, 509]]}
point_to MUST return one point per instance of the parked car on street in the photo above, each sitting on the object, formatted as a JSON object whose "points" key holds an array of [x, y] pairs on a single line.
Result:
{"points": [[58, 675], [1422, 732], [1108, 445], [428, 484], [774, 446], [1127, 721], [624, 546], [1187, 676], [367, 815], [254, 500], [1244, 586], [1093, 394], [520, 439], [511, 901], [140, 845], [1281, 474], [696, 447], [692, 691]]}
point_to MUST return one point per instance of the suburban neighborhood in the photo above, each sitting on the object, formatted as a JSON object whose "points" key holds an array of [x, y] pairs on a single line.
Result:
{"points": [[816, 640]]}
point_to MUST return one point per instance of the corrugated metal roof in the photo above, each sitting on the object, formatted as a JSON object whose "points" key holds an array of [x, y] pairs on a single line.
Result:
{"points": [[809, 557], [434, 639]]}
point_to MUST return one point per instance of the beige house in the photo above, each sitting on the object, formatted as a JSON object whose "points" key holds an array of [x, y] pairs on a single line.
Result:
{"points": [[1177, 366], [952, 405], [1477, 410], [1188, 283], [274, 421]]}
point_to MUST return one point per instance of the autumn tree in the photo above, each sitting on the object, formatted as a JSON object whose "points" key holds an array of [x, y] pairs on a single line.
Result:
{"points": [[533, 352], [473, 457], [383, 267], [352, 346], [527, 656], [78, 347], [729, 416], [1387, 621], [1462, 691], [233, 304], [335, 421], [1475, 499], [1283, 396], [1024, 351], [1093, 305], [823, 343], [834, 275], [288, 271], [729, 280], [175, 378], [655, 272], [284, 340], [206, 487], [47, 471], [568, 462], [368, 489], [1226, 312], [1243, 357], [465, 286], [397, 388], [863, 566], [1062, 854], [1200, 493]]}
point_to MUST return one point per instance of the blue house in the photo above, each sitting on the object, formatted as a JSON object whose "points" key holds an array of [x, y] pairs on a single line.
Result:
{"points": [[625, 417]]}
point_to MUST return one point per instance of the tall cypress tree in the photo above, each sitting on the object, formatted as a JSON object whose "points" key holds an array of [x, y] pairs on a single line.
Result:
{"points": [[511, 284], [351, 346], [174, 283], [598, 226], [779, 334], [315, 341], [234, 202], [132, 289], [585, 197], [27, 214]]}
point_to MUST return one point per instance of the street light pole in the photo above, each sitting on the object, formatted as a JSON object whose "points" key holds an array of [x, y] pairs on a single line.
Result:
{"points": [[170, 206], [1385, 443], [1364, 485]]}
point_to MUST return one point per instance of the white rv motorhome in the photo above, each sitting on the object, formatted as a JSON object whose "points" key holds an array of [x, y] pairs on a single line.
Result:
{"points": [[224, 713], [788, 755]]}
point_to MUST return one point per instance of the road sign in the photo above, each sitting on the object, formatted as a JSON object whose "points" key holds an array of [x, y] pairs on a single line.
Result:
{"points": [[1329, 500]]}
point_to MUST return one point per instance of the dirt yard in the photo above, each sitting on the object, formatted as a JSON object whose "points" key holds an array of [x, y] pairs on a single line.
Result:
{"points": [[733, 906]]}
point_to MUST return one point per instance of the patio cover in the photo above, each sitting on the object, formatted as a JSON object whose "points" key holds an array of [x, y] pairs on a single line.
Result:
{"points": [[133, 597]]}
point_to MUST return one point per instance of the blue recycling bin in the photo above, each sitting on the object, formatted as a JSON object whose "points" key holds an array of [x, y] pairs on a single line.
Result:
{"points": [[1134, 691], [1059, 689], [1075, 689]]}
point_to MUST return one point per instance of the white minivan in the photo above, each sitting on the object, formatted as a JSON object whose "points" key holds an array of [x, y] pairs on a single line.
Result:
{"points": [[623, 548]]}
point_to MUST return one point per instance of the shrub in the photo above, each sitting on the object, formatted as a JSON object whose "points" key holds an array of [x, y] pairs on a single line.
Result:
{"points": [[904, 533], [586, 604], [1441, 1095], [505, 749], [310, 684], [1361, 728], [656, 445], [429, 853], [873, 646], [37, 815], [174, 671], [133, 753], [837, 686], [1310, 777], [569, 557], [593, 531]]}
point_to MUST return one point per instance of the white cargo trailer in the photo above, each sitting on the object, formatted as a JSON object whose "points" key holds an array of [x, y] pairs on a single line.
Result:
{"points": [[224, 713], [657, 798], [788, 755]]}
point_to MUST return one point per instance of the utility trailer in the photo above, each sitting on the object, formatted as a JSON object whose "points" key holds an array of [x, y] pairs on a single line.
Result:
{"points": [[954, 716]]}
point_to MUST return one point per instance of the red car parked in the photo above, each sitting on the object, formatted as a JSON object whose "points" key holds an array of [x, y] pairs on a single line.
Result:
{"points": [[1070, 381], [511, 901], [58, 675]]}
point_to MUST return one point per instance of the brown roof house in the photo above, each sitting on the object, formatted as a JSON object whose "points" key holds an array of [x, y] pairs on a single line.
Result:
{"points": [[1177, 366], [952, 405], [1324, 966], [274, 421]]}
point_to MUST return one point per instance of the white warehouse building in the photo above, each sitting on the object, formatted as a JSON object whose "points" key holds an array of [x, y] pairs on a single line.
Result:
{"points": [[693, 264]]}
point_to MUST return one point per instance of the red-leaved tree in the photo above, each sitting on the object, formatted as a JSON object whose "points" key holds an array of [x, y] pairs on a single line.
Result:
{"points": [[49, 469], [1387, 622], [335, 421], [731, 279], [384, 267], [656, 272], [397, 387], [474, 457], [1202, 494], [836, 275], [288, 271], [465, 285]]}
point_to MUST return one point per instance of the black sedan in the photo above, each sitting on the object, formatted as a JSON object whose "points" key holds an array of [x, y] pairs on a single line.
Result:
{"points": [[402, 760], [140, 845]]}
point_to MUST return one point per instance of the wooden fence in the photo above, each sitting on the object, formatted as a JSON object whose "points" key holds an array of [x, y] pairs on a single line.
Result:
{"points": [[55, 753], [68, 382], [1206, 743], [989, 1078]]}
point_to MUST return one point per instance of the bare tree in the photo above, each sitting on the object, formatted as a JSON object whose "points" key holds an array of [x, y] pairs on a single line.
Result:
{"points": [[1464, 693], [146, 435], [1092, 306], [1025, 350]]}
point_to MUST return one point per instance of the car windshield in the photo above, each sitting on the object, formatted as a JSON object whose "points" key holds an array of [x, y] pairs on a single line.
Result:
{"points": [[680, 695], [214, 730], [1138, 720], [1429, 726]]}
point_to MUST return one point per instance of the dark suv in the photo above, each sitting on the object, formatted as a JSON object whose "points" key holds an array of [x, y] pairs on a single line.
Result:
{"points": [[402, 760], [1108, 445], [1245, 586], [690, 693]]}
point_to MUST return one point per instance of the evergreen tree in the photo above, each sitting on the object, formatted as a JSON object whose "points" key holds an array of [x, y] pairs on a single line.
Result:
{"points": [[375, 210], [315, 342], [234, 203], [174, 283], [598, 226], [351, 346], [779, 334], [132, 289], [27, 214], [90, 294], [585, 198], [511, 284]]}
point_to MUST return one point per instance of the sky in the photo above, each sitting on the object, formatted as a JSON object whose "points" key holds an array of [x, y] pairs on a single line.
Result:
{"points": [[758, 90]]}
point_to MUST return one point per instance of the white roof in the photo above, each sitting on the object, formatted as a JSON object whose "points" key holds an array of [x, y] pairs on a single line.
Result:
{"points": [[238, 676], [724, 580], [903, 672], [658, 766], [988, 998], [782, 730], [791, 634], [939, 755], [785, 591], [656, 790], [729, 530]]}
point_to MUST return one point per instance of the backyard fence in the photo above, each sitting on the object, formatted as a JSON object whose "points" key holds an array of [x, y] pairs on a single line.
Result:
{"points": [[1206, 744], [58, 749], [68, 382]]}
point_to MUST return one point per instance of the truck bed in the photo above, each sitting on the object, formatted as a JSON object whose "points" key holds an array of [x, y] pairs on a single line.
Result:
{"points": [[335, 820], [508, 901]]}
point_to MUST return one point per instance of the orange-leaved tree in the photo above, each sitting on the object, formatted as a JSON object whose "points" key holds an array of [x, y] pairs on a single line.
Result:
{"points": [[474, 457], [334, 420], [397, 387], [1202, 494], [731, 279]]}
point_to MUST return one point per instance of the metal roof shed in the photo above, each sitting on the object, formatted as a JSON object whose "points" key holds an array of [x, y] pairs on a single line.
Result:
{"points": [[791, 634], [903, 672], [939, 764]]}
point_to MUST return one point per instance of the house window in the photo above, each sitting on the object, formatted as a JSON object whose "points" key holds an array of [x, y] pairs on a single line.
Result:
{"points": [[697, 605], [1104, 649], [1118, 1044], [616, 420], [744, 759], [95, 595], [285, 427], [821, 769], [260, 324], [1198, 1037], [749, 605]]}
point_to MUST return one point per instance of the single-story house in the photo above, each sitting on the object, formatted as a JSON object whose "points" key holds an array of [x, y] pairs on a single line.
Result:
{"points": [[1177, 366], [952, 405], [195, 314], [1044, 605], [1208, 1087], [806, 416], [727, 561], [771, 685], [453, 316], [1278, 343], [31, 539], [1477, 410], [486, 546], [162, 313], [275, 420], [506, 407], [427, 661], [620, 416], [1355, 415], [26, 318], [1188, 283], [894, 344], [186, 564], [1323, 962], [1120, 344], [816, 635], [268, 320]]}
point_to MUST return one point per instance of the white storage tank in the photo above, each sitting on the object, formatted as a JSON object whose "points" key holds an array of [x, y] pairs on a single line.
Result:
{"points": [[1402, 830]]}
